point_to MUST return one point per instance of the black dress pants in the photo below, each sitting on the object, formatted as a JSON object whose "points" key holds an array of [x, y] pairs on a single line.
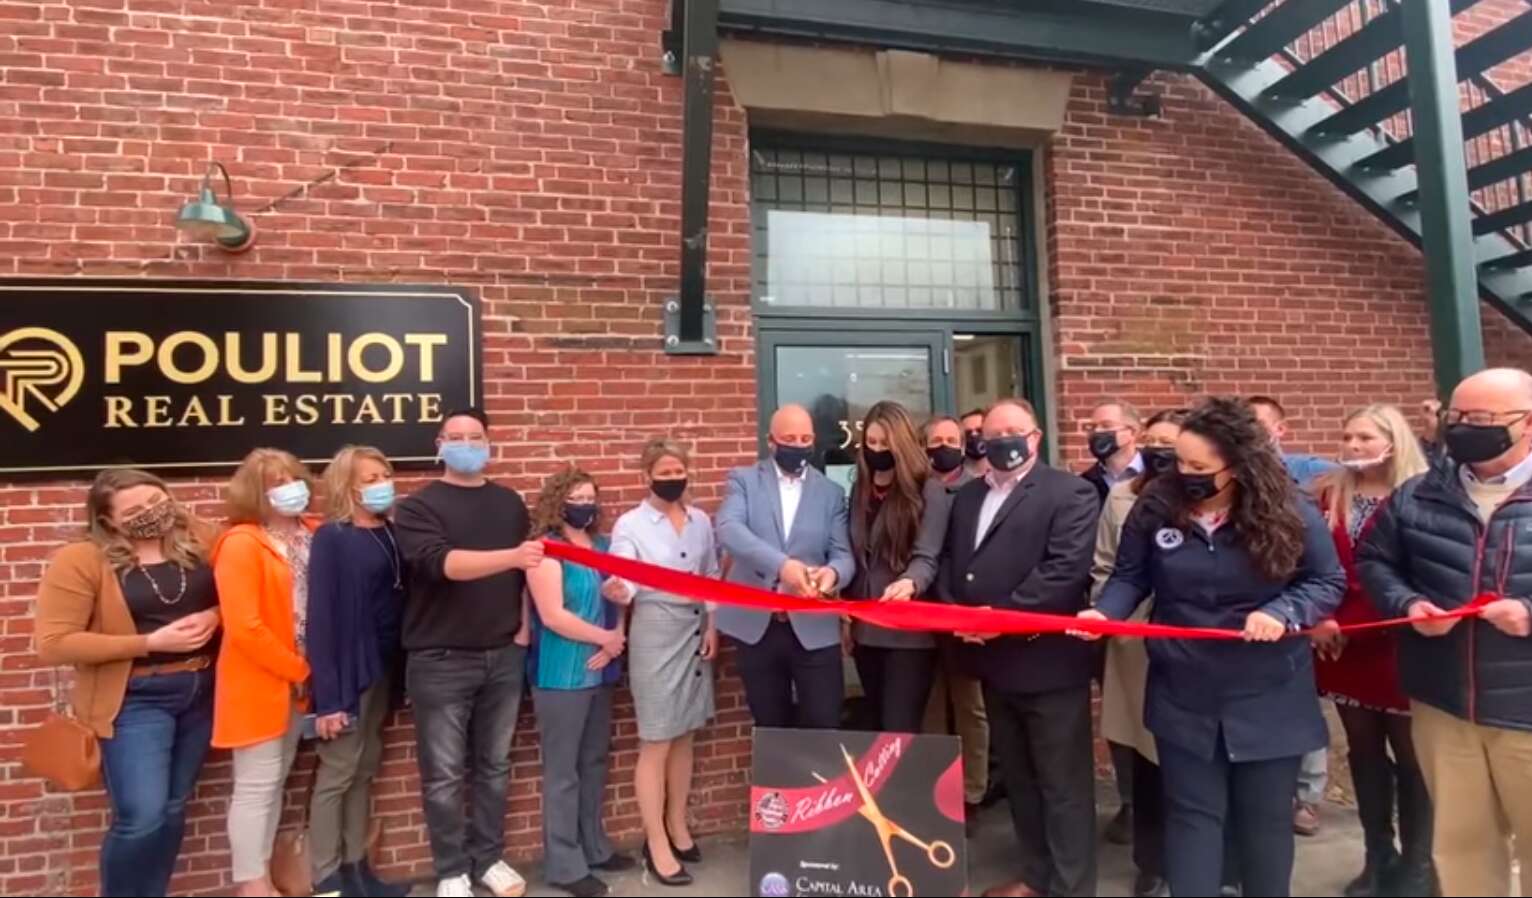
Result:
{"points": [[777, 666], [897, 683], [1044, 740]]}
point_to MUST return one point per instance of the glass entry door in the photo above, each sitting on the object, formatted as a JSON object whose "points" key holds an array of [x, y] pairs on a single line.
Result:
{"points": [[838, 376]]}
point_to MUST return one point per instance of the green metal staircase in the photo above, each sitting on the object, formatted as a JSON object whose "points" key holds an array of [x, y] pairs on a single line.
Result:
{"points": [[1329, 79]]}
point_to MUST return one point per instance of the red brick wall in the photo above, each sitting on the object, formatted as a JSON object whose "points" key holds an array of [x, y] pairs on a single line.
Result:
{"points": [[532, 151]]}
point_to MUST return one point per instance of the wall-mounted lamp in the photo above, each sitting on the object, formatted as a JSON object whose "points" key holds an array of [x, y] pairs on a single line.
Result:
{"points": [[207, 219]]}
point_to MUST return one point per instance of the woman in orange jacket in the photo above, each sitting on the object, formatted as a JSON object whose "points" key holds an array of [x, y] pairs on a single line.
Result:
{"points": [[261, 566]]}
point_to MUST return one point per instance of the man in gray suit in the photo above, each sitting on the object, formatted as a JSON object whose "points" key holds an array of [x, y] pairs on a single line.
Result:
{"points": [[784, 525]]}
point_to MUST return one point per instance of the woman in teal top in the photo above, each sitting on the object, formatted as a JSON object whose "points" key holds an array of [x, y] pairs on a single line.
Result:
{"points": [[577, 637]]}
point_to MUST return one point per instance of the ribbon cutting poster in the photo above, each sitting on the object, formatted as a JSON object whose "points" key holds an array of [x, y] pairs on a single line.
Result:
{"points": [[852, 813]]}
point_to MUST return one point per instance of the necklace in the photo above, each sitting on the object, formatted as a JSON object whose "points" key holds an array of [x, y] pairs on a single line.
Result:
{"points": [[391, 550], [154, 585]]}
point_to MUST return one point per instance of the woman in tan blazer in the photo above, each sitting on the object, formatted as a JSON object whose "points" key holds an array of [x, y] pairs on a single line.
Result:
{"points": [[1127, 661], [134, 609]]}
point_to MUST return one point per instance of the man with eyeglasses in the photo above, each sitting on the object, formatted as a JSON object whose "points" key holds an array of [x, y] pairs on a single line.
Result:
{"points": [[1462, 530], [464, 538], [1112, 437], [1022, 538]]}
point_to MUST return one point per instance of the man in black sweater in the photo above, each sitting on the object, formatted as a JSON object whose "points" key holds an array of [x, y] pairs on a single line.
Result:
{"points": [[465, 540]]}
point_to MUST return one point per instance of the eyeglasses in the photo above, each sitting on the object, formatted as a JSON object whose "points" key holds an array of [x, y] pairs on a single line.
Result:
{"points": [[470, 440], [1483, 418], [1090, 427]]}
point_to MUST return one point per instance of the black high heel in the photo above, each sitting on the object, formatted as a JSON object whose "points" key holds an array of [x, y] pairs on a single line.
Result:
{"points": [[692, 855], [676, 880]]}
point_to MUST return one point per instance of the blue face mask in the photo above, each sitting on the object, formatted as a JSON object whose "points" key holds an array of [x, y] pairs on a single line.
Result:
{"points": [[289, 499], [465, 458], [378, 497]]}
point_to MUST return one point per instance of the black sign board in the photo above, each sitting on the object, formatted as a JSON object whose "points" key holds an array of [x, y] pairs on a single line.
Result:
{"points": [[187, 376], [843, 813]]}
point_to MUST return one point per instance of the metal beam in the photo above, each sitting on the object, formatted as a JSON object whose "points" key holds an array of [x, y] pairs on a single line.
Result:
{"points": [[1376, 39], [1505, 218], [1225, 20], [698, 64], [1493, 172], [1514, 260], [1277, 29], [1488, 50], [1480, 120], [1069, 31], [1447, 235]]}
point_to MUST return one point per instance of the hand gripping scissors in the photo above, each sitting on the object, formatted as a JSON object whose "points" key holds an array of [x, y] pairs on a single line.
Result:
{"points": [[939, 853]]}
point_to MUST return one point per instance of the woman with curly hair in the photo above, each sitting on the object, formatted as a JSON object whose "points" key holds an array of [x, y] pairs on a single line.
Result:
{"points": [[572, 668], [1229, 543]]}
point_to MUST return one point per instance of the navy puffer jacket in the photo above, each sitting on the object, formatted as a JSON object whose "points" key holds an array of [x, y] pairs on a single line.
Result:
{"points": [[1428, 542]]}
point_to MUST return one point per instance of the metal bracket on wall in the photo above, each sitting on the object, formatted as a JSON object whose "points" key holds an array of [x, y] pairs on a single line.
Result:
{"points": [[675, 345], [1124, 100]]}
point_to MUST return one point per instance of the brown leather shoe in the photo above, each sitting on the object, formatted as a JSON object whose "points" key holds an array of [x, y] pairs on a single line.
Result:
{"points": [[1017, 889]]}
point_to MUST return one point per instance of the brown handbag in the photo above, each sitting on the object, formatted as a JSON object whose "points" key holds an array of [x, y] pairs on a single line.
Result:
{"points": [[291, 872], [61, 749]]}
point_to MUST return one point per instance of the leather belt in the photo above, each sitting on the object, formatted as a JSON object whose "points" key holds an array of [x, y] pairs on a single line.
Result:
{"points": [[201, 662]]}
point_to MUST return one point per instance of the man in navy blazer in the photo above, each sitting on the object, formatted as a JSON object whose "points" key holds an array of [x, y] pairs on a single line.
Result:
{"points": [[1021, 538], [784, 525]]}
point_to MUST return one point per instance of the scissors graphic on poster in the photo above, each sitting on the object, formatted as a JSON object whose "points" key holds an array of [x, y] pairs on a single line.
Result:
{"points": [[939, 853]]}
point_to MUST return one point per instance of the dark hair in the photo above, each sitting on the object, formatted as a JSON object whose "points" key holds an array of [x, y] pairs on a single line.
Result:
{"points": [[548, 513], [930, 425], [892, 534], [1176, 416], [1270, 403], [1265, 513], [471, 411], [970, 413]]}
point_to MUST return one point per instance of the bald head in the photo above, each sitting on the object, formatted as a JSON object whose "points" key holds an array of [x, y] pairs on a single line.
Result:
{"points": [[1494, 390], [792, 426]]}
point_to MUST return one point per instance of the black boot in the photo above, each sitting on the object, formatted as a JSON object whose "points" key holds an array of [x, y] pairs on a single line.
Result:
{"points": [[1412, 879], [361, 880], [1375, 875], [1415, 875]]}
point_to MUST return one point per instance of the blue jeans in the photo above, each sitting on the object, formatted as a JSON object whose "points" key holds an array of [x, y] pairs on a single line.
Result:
{"points": [[150, 768]]}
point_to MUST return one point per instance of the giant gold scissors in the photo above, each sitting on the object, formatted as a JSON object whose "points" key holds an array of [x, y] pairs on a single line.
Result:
{"points": [[939, 853]]}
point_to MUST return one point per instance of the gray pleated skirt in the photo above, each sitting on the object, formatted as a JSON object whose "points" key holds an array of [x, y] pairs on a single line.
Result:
{"points": [[672, 686]]}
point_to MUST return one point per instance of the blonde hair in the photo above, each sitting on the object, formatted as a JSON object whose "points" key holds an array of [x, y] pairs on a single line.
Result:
{"points": [[1406, 460], [340, 480], [662, 447], [181, 545], [245, 496]]}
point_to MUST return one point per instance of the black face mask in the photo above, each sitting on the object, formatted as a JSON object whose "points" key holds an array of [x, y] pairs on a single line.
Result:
{"points": [[1007, 453], [879, 459], [1472, 444], [668, 490], [945, 459], [1158, 460], [580, 517], [973, 444], [1104, 445], [1201, 487], [792, 459]]}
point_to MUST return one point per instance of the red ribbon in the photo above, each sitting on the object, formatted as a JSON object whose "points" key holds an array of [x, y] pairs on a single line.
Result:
{"points": [[916, 615]]}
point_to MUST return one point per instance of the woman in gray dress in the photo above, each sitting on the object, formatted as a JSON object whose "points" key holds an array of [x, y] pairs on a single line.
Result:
{"points": [[898, 521], [671, 645]]}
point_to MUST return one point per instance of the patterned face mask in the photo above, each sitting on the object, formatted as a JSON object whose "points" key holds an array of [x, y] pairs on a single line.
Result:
{"points": [[153, 522]]}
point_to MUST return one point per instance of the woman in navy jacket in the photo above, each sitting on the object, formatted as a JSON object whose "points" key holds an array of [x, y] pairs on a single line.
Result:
{"points": [[1229, 543]]}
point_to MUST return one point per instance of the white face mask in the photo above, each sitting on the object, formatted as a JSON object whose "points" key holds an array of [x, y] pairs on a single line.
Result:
{"points": [[1365, 464]]}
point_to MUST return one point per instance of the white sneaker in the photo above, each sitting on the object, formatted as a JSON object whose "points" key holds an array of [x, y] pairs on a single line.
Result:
{"points": [[503, 881], [456, 887]]}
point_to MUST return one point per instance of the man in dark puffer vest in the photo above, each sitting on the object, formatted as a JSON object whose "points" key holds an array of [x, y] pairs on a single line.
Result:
{"points": [[1463, 529]]}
